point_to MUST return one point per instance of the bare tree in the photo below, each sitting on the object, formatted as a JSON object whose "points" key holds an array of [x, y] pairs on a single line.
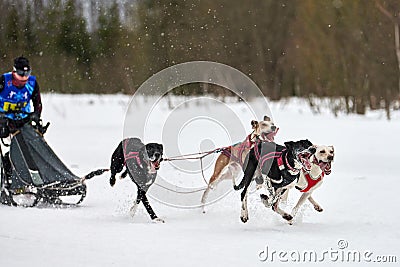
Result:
{"points": [[395, 19]]}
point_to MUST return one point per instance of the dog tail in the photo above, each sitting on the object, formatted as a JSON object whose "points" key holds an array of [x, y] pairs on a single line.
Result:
{"points": [[94, 173]]}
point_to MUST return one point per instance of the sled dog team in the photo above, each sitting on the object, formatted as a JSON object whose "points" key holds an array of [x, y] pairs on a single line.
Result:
{"points": [[275, 168]]}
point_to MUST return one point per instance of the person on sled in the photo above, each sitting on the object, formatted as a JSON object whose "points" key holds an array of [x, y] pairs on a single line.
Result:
{"points": [[17, 89]]}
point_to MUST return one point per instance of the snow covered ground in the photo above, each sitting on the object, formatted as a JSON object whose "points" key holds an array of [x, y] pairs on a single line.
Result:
{"points": [[360, 197]]}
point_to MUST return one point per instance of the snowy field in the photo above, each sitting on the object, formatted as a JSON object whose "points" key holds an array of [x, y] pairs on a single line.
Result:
{"points": [[360, 198]]}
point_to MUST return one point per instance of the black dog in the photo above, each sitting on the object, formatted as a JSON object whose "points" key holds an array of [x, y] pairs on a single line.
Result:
{"points": [[279, 166], [142, 162]]}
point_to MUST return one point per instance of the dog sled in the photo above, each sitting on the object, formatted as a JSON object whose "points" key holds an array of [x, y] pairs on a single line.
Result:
{"points": [[31, 172]]}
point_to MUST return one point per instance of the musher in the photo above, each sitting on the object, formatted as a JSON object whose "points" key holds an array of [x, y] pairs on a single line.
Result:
{"points": [[17, 89]]}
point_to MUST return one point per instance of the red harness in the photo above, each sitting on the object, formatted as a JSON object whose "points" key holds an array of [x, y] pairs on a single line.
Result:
{"points": [[326, 169], [310, 181]]}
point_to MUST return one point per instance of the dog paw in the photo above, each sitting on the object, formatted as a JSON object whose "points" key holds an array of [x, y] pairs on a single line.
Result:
{"points": [[265, 200], [244, 219], [318, 208], [287, 217], [112, 181], [133, 209], [158, 220]]}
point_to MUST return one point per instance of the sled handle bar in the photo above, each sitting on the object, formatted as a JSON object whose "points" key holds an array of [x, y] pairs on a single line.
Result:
{"points": [[42, 129], [15, 112]]}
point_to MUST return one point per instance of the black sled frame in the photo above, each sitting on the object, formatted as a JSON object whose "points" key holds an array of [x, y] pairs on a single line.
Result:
{"points": [[31, 172]]}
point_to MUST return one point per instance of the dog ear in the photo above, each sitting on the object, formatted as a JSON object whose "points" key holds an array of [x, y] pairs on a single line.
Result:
{"points": [[289, 144], [312, 149], [333, 149], [161, 147], [266, 118], [254, 124], [307, 142]]}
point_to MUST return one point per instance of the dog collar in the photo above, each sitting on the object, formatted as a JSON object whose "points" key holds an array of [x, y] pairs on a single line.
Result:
{"points": [[291, 170]]}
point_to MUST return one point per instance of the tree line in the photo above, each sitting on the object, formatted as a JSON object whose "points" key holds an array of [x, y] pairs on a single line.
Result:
{"points": [[347, 51]]}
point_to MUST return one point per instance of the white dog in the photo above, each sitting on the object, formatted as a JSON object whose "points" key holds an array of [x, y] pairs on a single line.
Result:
{"points": [[311, 180]]}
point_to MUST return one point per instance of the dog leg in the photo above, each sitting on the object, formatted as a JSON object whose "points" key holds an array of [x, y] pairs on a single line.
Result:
{"points": [[246, 181], [300, 203], [133, 209], [244, 214], [266, 200], [248, 172], [230, 171], [233, 171], [281, 212], [258, 177], [269, 189], [117, 163], [112, 180], [213, 183], [206, 192], [149, 209], [285, 196], [317, 207], [220, 164], [124, 174], [204, 198]]}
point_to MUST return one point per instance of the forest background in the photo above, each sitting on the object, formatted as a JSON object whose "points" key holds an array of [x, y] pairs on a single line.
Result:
{"points": [[344, 51]]}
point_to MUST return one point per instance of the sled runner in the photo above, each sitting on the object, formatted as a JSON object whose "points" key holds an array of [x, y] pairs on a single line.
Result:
{"points": [[31, 172]]}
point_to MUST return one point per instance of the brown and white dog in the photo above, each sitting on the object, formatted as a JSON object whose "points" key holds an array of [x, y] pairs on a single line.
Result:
{"points": [[310, 180], [231, 160]]}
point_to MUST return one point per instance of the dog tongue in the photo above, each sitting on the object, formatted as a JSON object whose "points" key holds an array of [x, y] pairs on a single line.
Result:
{"points": [[152, 167], [326, 167], [304, 158], [306, 164]]}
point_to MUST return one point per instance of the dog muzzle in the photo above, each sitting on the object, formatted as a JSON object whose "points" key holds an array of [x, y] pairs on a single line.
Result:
{"points": [[304, 158], [269, 136]]}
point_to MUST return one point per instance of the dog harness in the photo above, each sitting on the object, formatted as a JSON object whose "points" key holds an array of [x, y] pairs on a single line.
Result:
{"points": [[280, 157], [131, 154], [311, 182], [247, 143]]}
